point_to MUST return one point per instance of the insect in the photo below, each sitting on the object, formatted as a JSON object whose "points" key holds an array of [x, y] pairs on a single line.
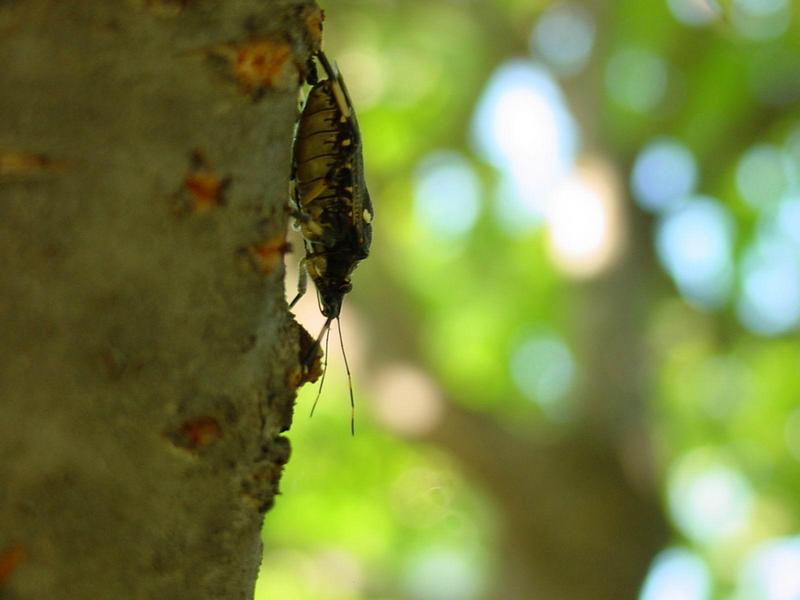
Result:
{"points": [[330, 202]]}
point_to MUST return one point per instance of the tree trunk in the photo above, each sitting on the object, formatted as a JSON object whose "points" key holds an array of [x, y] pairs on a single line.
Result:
{"points": [[148, 363]]}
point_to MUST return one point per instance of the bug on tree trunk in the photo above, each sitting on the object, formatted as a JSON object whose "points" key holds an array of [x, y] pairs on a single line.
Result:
{"points": [[330, 202]]}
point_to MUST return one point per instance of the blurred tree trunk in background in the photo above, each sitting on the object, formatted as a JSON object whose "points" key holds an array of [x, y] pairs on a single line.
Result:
{"points": [[580, 507], [148, 362], [572, 523], [580, 511]]}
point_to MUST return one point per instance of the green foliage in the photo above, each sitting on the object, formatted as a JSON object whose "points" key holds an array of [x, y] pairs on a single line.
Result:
{"points": [[459, 306]]}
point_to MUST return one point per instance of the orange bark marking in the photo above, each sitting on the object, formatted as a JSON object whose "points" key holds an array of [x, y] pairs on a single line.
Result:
{"points": [[197, 433], [264, 63], [207, 190], [10, 558], [25, 163], [268, 256]]}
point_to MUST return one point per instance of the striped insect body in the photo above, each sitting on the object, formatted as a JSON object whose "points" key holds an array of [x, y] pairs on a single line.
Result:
{"points": [[329, 197]]}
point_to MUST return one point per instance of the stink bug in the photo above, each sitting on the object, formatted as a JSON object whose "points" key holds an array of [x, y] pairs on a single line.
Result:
{"points": [[330, 202]]}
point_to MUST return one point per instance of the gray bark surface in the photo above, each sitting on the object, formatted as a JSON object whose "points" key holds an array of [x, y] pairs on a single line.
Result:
{"points": [[147, 359]]}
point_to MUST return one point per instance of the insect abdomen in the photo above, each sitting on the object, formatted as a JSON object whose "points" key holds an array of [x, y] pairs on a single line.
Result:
{"points": [[316, 147]]}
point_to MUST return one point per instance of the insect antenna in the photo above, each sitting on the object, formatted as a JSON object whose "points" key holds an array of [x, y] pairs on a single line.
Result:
{"points": [[326, 331], [349, 380]]}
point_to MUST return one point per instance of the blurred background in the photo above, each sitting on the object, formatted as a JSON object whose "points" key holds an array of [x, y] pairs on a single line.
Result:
{"points": [[574, 346]]}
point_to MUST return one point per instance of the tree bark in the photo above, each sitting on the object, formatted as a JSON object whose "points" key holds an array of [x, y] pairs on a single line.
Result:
{"points": [[148, 363]]}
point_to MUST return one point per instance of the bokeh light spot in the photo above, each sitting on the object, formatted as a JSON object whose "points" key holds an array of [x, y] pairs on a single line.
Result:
{"points": [[544, 371], [708, 501], [407, 401], [788, 220], [695, 13], [762, 175], [636, 78], [366, 76], [677, 574], [522, 126], [772, 571], [584, 222], [760, 19], [792, 148], [446, 194], [695, 245], [564, 36], [770, 297], [578, 223], [443, 574], [664, 173]]}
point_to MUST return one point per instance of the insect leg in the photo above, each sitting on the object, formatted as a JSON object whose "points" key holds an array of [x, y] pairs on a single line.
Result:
{"points": [[326, 329], [298, 217], [297, 214], [302, 282]]}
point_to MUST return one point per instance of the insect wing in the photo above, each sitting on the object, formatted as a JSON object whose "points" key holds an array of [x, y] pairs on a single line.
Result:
{"points": [[362, 211]]}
